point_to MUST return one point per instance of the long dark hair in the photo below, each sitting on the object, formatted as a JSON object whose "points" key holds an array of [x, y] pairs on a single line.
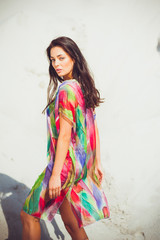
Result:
{"points": [[80, 72]]}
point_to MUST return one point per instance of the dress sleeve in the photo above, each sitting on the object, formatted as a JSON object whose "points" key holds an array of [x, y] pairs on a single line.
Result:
{"points": [[67, 104]]}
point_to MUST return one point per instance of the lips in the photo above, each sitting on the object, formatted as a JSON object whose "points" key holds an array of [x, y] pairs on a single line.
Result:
{"points": [[58, 70]]}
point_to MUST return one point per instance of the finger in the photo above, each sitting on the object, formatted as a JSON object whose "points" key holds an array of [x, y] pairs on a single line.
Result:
{"points": [[100, 175], [101, 178], [100, 172], [50, 193], [59, 191], [56, 192]]}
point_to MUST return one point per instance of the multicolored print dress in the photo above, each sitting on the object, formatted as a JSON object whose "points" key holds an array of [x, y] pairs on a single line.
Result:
{"points": [[79, 183]]}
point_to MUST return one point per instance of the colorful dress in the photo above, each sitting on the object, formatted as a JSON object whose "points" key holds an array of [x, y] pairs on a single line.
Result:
{"points": [[79, 183]]}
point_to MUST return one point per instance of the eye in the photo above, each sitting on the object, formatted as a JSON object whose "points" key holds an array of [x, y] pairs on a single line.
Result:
{"points": [[61, 58], [52, 60]]}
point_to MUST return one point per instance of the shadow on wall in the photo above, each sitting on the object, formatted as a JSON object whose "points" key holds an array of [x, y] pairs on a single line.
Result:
{"points": [[158, 45], [12, 197]]}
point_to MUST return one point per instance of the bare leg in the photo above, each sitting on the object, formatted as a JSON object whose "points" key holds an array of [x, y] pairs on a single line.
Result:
{"points": [[31, 227], [71, 223]]}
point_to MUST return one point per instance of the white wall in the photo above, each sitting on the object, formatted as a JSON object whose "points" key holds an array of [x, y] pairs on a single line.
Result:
{"points": [[119, 40]]}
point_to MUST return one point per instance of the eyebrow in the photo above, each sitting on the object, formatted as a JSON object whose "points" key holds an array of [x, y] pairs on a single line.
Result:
{"points": [[57, 55]]}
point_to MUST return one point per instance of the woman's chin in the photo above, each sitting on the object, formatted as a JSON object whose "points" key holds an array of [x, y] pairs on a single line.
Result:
{"points": [[61, 75]]}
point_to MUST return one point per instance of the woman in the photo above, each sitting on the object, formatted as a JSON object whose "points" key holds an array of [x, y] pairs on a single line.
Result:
{"points": [[71, 182]]}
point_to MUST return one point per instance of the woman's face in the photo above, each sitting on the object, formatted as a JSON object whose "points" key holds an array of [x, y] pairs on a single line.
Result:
{"points": [[61, 62]]}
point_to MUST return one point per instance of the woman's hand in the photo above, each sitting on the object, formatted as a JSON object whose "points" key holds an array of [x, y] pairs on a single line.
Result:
{"points": [[99, 172], [54, 186]]}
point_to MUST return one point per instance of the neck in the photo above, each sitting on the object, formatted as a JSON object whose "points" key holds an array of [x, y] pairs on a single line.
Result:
{"points": [[68, 77]]}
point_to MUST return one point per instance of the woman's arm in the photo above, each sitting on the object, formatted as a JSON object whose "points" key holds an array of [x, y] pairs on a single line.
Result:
{"points": [[98, 168], [61, 152], [98, 160]]}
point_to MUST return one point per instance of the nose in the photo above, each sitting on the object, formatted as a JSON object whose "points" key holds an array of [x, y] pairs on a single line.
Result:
{"points": [[56, 63]]}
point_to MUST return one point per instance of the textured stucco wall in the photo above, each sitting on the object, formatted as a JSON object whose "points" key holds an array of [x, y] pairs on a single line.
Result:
{"points": [[120, 42]]}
